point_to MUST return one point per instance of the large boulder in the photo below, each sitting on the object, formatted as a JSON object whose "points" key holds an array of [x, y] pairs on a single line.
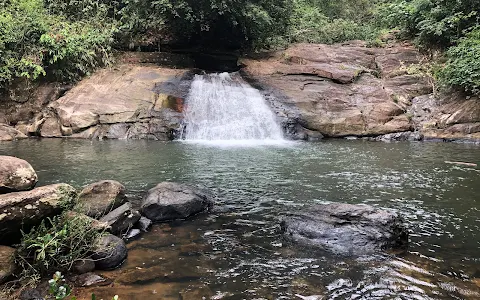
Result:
{"points": [[109, 252], [99, 198], [7, 263], [16, 175], [347, 229], [121, 219], [22, 210], [170, 201]]}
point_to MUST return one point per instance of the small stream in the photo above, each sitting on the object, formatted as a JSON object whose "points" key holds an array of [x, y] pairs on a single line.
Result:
{"points": [[237, 252]]}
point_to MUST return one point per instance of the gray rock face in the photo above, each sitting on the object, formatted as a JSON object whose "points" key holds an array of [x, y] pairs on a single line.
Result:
{"points": [[7, 263], [22, 210], [170, 201], [121, 219], [347, 229], [144, 224], [109, 252], [16, 175], [100, 198]]}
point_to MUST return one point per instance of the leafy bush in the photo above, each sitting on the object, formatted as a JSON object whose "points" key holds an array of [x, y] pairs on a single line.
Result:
{"points": [[55, 245], [462, 69], [34, 43]]}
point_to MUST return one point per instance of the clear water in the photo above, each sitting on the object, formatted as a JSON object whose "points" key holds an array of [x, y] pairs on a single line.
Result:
{"points": [[223, 109], [236, 252]]}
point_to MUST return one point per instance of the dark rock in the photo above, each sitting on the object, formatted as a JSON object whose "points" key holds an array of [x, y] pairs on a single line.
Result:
{"points": [[121, 219], [399, 136], [170, 201], [100, 198], [83, 266], [16, 175], [109, 252], [90, 280], [347, 229], [22, 210], [31, 294], [7, 263]]}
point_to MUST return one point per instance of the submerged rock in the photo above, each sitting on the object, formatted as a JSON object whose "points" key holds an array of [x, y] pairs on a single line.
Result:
{"points": [[121, 219], [144, 224], [7, 263], [347, 229], [109, 252], [16, 175], [90, 280], [100, 198], [22, 210], [170, 201]]}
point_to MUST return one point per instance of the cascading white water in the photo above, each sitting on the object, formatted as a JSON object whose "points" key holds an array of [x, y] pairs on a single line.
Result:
{"points": [[224, 108]]}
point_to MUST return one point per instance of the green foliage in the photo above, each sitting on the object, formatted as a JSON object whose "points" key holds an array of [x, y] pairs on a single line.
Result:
{"points": [[462, 69], [55, 245], [432, 23], [35, 43], [322, 21]]}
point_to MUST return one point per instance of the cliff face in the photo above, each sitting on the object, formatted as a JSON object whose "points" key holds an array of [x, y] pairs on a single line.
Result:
{"points": [[352, 90], [332, 90]]}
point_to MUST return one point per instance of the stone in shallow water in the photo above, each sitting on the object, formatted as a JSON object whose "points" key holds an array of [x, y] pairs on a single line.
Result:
{"points": [[347, 229], [121, 219], [16, 175], [109, 252], [170, 201], [99, 198], [90, 280]]}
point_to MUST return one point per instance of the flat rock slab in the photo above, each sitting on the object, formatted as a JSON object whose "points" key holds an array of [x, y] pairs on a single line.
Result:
{"points": [[347, 229], [170, 201], [16, 175], [22, 210], [121, 219]]}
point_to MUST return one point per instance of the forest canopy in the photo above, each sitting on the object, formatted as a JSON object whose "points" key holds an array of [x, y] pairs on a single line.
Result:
{"points": [[64, 40]]}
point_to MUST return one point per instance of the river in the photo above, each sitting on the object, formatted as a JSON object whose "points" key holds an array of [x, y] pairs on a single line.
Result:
{"points": [[237, 251]]}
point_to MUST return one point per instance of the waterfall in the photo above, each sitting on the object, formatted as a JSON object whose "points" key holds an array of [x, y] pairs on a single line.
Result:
{"points": [[224, 108]]}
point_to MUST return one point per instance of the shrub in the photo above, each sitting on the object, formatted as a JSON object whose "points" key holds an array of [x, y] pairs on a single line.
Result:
{"points": [[55, 245], [462, 70]]}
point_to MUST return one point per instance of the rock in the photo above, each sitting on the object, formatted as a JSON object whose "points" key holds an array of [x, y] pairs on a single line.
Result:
{"points": [[8, 133], [31, 294], [133, 233], [109, 252], [90, 280], [170, 201], [16, 175], [121, 103], [399, 136], [7, 263], [347, 229], [96, 224], [22, 210], [121, 219], [144, 224], [83, 266], [100, 198], [340, 90]]}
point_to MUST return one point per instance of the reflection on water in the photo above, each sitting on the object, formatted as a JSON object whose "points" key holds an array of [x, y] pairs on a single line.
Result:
{"points": [[237, 252]]}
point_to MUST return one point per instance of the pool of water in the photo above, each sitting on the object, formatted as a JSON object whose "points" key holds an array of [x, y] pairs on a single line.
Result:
{"points": [[237, 251]]}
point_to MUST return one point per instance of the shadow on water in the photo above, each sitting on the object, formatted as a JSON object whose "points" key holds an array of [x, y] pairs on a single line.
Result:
{"points": [[237, 252]]}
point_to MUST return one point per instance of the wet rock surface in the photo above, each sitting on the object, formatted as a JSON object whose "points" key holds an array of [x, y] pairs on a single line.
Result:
{"points": [[121, 219], [22, 210], [16, 175], [170, 201], [100, 198], [8, 133], [346, 229], [109, 252], [90, 280]]}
